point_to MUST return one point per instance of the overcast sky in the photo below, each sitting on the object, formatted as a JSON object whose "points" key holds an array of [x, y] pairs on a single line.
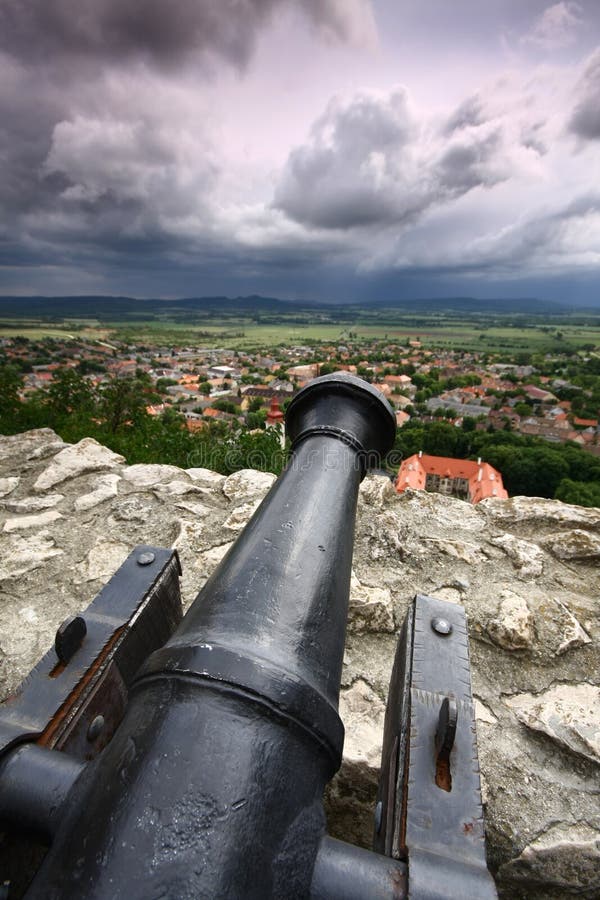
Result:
{"points": [[319, 149]]}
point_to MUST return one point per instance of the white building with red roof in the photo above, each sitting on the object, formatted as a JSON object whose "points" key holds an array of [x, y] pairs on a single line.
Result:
{"points": [[462, 478]]}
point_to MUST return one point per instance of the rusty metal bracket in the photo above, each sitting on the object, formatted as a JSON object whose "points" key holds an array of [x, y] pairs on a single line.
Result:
{"points": [[75, 697], [429, 809]]}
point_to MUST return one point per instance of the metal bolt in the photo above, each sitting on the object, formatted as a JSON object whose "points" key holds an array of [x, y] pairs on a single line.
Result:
{"points": [[69, 637], [95, 729], [441, 626], [144, 559], [378, 816]]}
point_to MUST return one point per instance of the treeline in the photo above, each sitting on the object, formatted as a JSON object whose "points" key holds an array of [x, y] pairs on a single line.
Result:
{"points": [[530, 466], [115, 414]]}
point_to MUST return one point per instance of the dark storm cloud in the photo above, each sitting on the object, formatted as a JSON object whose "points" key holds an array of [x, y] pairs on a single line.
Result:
{"points": [[585, 121], [370, 163], [111, 29], [91, 142], [163, 31]]}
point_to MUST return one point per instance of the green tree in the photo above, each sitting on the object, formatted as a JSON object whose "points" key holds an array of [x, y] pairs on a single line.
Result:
{"points": [[578, 492], [70, 393], [10, 404]]}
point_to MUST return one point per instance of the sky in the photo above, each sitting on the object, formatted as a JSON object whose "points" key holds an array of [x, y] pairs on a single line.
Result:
{"points": [[334, 150]]}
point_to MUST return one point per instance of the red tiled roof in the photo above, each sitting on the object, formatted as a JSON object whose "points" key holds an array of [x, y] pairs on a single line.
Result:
{"points": [[484, 480]]}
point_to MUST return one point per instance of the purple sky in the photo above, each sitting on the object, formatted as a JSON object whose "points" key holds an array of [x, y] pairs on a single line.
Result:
{"points": [[321, 149]]}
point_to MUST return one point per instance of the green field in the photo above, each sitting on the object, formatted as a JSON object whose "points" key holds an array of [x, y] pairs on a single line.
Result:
{"points": [[486, 334]]}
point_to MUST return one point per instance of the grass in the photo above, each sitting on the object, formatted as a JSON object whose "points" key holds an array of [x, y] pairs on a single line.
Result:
{"points": [[450, 332]]}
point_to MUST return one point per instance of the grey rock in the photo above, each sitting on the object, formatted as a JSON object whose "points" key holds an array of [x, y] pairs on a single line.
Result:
{"points": [[49, 449], [206, 478], [148, 475], [375, 490], [535, 783], [79, 459], [526, 557], [176, 488], [370, 608], [20, 446], [575, 544], [34, 504], [512, 627], [467, 552], [103, 560], [566, 857], [567, 713], [241, 515], [538, 510], [104, 488], [21, 523], [23, 554], [247, 483], [8, 485], [133, 508]]}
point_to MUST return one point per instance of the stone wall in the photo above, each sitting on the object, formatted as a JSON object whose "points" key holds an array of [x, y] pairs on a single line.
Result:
{"points": [[525, 570]]}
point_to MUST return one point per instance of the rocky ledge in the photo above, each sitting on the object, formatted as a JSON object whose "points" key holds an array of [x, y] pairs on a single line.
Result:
{"points": [[525, 570]]}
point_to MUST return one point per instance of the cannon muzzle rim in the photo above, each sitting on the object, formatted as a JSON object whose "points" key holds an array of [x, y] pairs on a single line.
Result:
{"points": [[376, 409]]}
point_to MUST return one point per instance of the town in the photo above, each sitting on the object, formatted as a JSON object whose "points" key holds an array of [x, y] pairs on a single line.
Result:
{"points": [[448, 402]]}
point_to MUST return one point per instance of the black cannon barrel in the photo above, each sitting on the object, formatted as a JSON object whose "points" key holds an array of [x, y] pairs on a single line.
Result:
{"points": [[212, 786]]}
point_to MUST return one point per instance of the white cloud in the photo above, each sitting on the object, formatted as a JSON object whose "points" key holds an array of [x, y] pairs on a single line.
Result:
{"points": [[374, 161], [557, 26]]}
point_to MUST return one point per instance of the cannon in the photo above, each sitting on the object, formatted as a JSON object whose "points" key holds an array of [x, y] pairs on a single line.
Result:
{"points": [[154, 756]]}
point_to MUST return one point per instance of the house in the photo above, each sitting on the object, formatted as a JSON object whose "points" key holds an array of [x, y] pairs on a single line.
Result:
{"points": [[462, 478]]}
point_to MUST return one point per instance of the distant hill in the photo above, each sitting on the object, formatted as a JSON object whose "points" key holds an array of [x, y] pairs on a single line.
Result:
{"points": [[118, 308]]}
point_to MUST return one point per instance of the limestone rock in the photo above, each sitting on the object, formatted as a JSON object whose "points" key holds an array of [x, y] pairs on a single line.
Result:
{"points": [[512, 628], [370, 608], [210, 559], [7, 485], [176, 488], [526, 557], [104, 488], [566, 857], [206, 478], [34, 504], [247, 483], [350, 797], [375, 490], [241, 515], [363, 714], [571, 632], [133, 508], [86, 456], [20, 446], [567, 713], [23, 554], [49, 449], [450, 594], [575, 544], [538, 510], [483, 714], [405, 544], [467, 552], [199, 510], [147, 475], [21, 523], [103, 560]]}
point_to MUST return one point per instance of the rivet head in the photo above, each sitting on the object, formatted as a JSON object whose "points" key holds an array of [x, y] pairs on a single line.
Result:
{"points": [[95, 729], [441, 626], [144, 559], [378, 816], [69, 637]]}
